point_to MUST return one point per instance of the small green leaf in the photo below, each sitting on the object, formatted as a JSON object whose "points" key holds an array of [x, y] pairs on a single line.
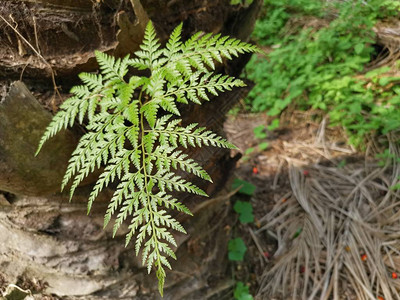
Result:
{"points": [[263, 146], [395, 187], [245, 187], [259, 132], [274, 125], [341, 164], [274, 111], [359, 48], [242, 292], [249, 150], [236, 249], [297, 233], [245, 211], [383, 81], [377, 72]]}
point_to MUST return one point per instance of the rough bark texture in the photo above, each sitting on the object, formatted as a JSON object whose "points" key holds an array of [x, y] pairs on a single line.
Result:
{"points": [[45, 239]]}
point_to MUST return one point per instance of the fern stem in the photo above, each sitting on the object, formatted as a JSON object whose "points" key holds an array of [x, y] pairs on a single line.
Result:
{"points": [[149, 206]]}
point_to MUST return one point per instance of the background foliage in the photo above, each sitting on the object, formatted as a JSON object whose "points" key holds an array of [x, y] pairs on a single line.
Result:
{"points": [[319, 55]]}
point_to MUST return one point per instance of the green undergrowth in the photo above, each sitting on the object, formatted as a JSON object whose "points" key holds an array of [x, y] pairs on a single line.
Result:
{"points": [[316, 57], [237, 247]]}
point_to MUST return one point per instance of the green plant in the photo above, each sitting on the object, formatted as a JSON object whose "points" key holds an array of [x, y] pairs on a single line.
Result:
{"points": [[236, 249], [386, 157], [315, 67], [132, 132], [259, 132], [244, 186], [245, 211], [242, 292], [241, 2], [263, 146], [274, 125], [342, 164], [270, 28]]}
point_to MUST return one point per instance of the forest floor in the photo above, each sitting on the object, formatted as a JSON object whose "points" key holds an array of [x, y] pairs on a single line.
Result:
{"points": [[326, 218]]}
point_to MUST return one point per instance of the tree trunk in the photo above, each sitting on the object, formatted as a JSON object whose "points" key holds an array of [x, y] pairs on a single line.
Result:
{"points": [[51, 246]]}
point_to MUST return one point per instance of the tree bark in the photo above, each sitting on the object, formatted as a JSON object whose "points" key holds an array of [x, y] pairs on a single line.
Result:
{"points": [[45, 239]]}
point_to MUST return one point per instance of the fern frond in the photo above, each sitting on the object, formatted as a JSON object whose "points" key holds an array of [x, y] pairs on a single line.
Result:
{"points": [[110, 67], [93, 148], [91, 81], [174, 43], [202, 49], [171, 181], [167, 157], [162, 198], [161, 218], [161, 279], [133, 145], [118, 166], [168, 104], [126, 210], [124, 67], [124, 189], [131, 114], [198, 84], [149, 50], [124, 94], [65, 117], [190, 135], [150, 110]]}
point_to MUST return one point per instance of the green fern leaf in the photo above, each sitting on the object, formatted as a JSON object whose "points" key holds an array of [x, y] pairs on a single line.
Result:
{"points": [[167, 157], [174, 43], [150, 49], [171, 181], [150, 110], [162, 198], [111, 67], [64, 118], [91, 81], [135, 144]]}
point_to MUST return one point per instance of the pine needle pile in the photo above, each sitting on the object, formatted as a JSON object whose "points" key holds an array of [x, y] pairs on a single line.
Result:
{"points": [[338, 229]]}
